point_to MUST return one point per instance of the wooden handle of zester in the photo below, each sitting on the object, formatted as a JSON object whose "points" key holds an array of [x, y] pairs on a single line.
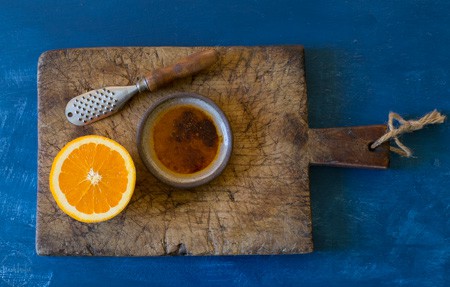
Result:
{"points": [[348, 147], [188, 66]]}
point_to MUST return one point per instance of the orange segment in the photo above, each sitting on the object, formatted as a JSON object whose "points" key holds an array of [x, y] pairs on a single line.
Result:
{"points": [[92, 178]]}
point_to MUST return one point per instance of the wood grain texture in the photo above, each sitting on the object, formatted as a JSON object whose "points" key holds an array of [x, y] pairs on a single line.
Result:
{"points": [[190, 65], [259, 205], [363, 59], [348, 147]]}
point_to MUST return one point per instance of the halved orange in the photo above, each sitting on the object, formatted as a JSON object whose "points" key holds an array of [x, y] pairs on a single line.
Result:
{"points": [[92, 178]]}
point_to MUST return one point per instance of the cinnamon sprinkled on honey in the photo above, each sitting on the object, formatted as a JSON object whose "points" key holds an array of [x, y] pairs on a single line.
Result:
{"points": [[185, 139]]}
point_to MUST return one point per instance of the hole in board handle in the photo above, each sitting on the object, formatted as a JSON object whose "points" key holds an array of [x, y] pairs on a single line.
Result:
{"points": [[369, 146]]}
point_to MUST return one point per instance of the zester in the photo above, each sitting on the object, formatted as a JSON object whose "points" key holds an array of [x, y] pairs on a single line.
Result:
{"points": [[101, 103]]}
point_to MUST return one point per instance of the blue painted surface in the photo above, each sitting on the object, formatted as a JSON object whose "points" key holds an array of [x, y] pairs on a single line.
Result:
{"points": [[363, 59]]}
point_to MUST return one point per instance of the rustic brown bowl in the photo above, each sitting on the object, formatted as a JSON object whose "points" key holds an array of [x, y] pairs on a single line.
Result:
{"points": [[152, 162]]}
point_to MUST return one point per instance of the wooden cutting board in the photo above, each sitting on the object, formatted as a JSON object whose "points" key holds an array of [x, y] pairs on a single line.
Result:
{"points": [[261, 202]]}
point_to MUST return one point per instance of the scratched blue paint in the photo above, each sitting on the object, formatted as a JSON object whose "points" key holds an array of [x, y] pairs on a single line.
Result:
{"points": [[363, 59]]}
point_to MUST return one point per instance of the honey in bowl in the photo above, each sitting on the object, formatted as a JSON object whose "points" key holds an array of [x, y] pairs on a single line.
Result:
{"points": [[185, 139]]}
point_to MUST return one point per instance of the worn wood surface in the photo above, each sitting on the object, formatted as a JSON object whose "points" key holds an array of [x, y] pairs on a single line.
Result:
{"points": [[348, 147], [259, 205], [190, 65]]}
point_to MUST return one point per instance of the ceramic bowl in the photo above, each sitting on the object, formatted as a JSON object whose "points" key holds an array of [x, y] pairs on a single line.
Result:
{"points": [[148, 155]]}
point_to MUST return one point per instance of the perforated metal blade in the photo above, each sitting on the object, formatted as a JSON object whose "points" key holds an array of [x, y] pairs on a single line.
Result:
{"points": [[98, 104], [101, 103]]}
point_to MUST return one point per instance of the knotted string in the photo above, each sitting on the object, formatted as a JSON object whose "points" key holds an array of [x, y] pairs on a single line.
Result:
{"points": [[406, 127]]}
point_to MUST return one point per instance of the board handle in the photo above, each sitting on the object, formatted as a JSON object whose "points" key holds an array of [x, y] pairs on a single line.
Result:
{"points": [[187, 66], [348, 147]]}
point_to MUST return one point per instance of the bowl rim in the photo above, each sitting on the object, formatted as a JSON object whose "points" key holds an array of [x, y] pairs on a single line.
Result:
{"points": [[222, 119]]}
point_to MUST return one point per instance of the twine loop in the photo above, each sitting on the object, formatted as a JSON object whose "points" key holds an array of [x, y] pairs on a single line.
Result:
{"points": [[406, 126]]}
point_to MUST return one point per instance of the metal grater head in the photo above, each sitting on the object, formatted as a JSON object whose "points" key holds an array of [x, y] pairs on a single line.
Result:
{"points": [[98, 104]]}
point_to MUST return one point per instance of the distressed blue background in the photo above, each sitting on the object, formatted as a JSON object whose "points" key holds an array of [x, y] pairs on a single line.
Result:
{"points": [[363, 59]]}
